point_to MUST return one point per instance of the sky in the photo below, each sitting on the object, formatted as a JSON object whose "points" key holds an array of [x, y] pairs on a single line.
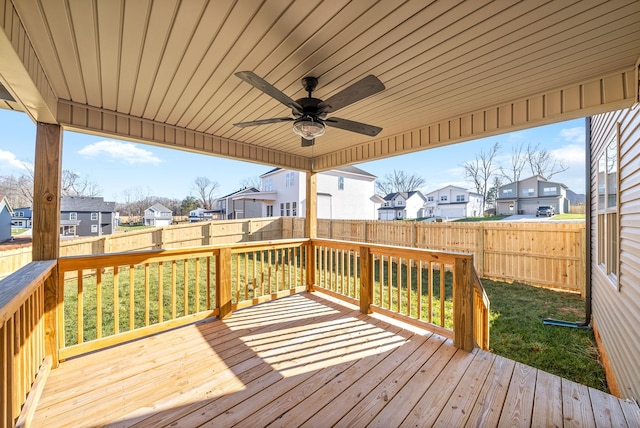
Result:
{"points": [[121, 166]]}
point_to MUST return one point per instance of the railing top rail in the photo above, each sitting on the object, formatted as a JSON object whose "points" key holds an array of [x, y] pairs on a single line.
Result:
{"points": [[151, 256], [418, 253], [18, 286]]}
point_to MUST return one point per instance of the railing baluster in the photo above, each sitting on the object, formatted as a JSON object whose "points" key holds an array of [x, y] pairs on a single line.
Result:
{"points": [[185, 284], [80, 305], [174, 291], [160, 293], [208, 284], [430, 292], [132, 324], [147, 303], [389, 281], [98, 303], [245, 257], [116, 300], [419, 287], [442, 294], [197, 286], [409, 283]]}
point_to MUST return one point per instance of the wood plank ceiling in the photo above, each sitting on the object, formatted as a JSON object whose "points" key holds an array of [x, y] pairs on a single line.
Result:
{"points": [[162, 72]]}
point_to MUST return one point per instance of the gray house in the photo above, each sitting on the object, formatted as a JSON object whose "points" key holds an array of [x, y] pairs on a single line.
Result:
{"points": [[158, 215], [525, 196], [5, 219], [86, 216], [22, 217]]}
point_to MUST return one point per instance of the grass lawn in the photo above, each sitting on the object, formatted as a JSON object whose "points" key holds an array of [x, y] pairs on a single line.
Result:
{"points": [[15, 232], [474, 219], [568, 216], [132, 228], [517, 332]]}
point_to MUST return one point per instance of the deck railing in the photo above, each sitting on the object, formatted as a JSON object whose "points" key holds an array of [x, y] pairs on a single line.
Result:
{"points": [[22, 336], [103, 300], [431, 287]]}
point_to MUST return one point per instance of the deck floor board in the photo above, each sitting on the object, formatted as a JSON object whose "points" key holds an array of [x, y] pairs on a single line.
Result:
{"points": [[309, 360]]}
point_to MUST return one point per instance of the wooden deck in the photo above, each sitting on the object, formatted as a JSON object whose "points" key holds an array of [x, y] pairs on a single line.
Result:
{"points": [[307, 360]]}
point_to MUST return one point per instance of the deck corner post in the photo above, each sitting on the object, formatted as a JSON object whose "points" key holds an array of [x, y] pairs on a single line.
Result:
{"points": [[47, 176], [463, 303], [366, 280], [311, 265], [223, 282]]}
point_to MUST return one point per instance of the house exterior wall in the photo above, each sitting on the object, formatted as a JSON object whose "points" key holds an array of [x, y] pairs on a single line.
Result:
{"points": [[22, 218], [153, 217], [525, 196], [104, 225], [470, 206], [5, 222], [343, 198], [616, 299]]}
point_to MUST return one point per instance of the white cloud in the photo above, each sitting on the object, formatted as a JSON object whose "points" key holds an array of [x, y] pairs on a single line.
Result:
{"points": [[127, 152], [10, 160], [571, 154], [573, 135]]}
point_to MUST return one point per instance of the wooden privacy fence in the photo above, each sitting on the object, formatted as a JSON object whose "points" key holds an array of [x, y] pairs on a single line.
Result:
{"points": [[546, 253]]}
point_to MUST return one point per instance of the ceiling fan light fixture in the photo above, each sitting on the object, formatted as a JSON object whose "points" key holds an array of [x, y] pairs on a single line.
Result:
{"points": [[307, 128]]}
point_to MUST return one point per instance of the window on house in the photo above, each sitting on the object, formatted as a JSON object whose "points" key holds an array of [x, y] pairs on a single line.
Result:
{"points": [[20, 214], [94, 216], [341, 183], [607, 209], [73, 216], [430, 198], [288, 209], [507, 192], [294, 209], [94, 228], [527, 192], [399, 202], [267, 185], [550, 190], [269, 210], [281, 209], [289, 179], [444, 198], [459, 198]]}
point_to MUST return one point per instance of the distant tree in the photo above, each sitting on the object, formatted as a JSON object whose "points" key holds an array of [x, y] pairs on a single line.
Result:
{"points": [[73, 184], [251, 182], [480, 170], [541, 162], [19, 190], [399, 181], [189, 203], [518, 161], [132, 202], [492, 193], [205, 190]]}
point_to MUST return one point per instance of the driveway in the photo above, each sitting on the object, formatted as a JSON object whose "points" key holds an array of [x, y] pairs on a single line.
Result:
{"points": [[526, 217]]}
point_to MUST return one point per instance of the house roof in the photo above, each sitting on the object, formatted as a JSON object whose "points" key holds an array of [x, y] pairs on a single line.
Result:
{"points": [[86, 204], [404, 195], [158, 207], [237, 192], [452, 71]]}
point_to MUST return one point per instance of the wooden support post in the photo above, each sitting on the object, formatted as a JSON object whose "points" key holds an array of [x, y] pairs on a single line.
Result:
{"points": [[366, 280], [223, 282], [463, 303], [311, 265], [47, 174], [311, 223]]}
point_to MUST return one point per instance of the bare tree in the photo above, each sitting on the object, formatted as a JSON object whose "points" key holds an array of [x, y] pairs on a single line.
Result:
{"points": [[73, 184], [541, 162], [248, 182], [518, 161], [19, 190], [132, 203], [205, 190], [399, 181], [481, 169]]}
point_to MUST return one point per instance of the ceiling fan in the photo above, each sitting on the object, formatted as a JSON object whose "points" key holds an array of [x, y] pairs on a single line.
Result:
{"points": [[310, 115]]}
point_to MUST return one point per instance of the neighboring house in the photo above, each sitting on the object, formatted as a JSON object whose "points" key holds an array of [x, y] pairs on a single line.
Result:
{"points": [[87, 216], [525, 196], [5, 219], [453, 202], [614, 272], [230, 207], [401, 205], [22, 218], [158, 215], [343, 193], [200, 214]]}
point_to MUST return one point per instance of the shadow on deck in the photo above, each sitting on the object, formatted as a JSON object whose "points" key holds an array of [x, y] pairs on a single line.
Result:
{"points": [[309, 360]]}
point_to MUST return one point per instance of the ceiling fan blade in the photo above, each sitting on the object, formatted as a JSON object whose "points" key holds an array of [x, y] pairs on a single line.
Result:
{"points": [[308, 143], [361, 89], [350, 125], [263, 121], [266, 87]]}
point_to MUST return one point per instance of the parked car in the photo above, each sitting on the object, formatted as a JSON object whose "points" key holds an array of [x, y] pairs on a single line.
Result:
{"points": [[545, 210]]}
